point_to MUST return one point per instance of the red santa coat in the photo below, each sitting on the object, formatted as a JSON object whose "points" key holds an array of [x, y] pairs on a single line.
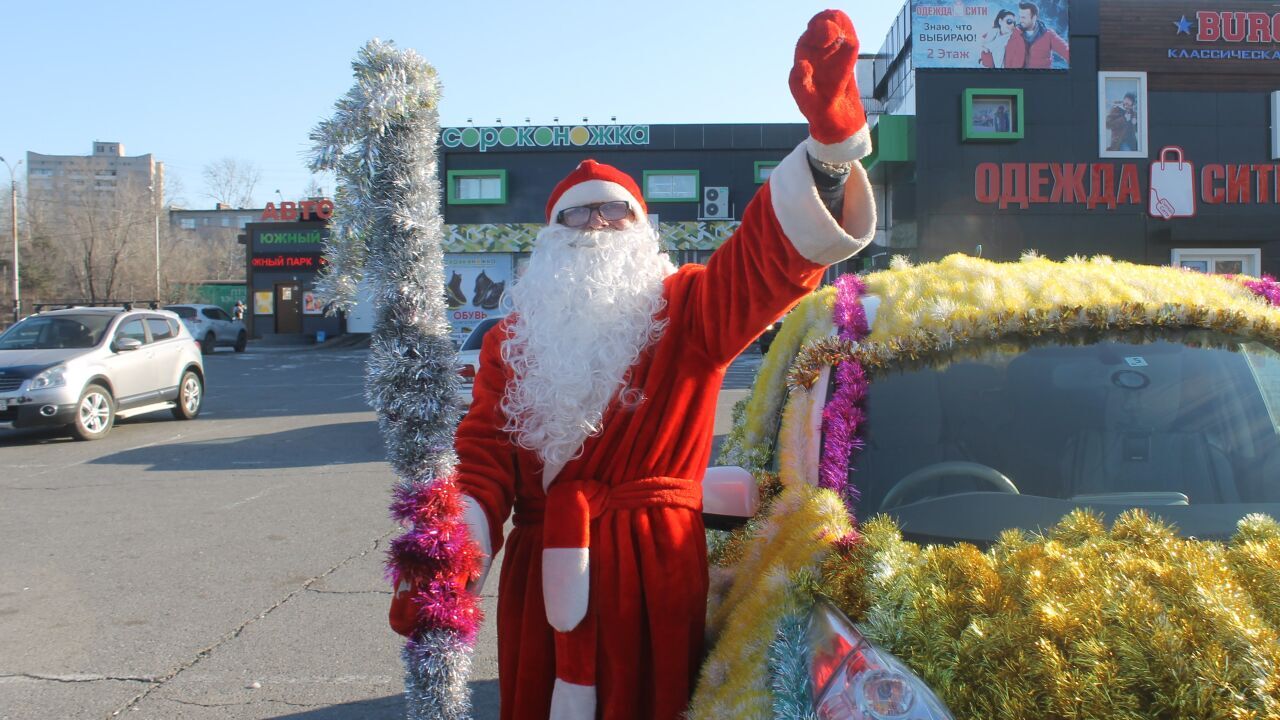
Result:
{"points": [[648, 564]]}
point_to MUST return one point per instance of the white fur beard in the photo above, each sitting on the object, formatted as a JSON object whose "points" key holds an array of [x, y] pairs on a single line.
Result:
{"points": [[585, 310]]}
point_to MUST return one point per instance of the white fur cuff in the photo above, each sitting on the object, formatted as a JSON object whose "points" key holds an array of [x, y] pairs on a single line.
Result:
{"points": [[808, 223], [478, 526], [572, 702], [566, 586], [852, 148]]}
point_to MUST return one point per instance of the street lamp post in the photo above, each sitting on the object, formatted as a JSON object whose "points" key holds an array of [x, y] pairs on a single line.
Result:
{"points": [[158, 256], [13, 213], [156, 207]]}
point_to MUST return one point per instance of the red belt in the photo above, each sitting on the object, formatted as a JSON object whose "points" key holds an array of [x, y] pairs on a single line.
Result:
{"points": [[598, 497]]}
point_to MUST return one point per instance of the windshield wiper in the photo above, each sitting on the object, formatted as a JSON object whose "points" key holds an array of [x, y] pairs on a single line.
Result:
{"points": [[1133, 498]]}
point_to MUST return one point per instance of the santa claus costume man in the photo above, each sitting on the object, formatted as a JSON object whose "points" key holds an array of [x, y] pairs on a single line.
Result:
{"points": [[595, 401]]}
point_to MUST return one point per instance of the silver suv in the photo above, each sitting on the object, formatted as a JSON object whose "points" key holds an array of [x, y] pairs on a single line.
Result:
{"points": [[211, 326], [85, 367]]}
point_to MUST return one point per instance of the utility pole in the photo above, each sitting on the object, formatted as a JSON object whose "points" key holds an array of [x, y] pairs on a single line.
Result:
{"points": [[158, 256], [156, 207], [13, 215]]}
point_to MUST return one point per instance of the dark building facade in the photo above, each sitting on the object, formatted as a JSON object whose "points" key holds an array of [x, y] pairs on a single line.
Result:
{"points": [[1154, 142], [283, 261]]}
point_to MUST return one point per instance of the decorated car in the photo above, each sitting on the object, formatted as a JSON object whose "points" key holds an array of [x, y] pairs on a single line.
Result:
{"points": [[1006, 490]]}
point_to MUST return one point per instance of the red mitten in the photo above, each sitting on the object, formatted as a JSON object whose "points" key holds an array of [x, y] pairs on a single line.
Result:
{"points": [[823, 84], [404, 614]]}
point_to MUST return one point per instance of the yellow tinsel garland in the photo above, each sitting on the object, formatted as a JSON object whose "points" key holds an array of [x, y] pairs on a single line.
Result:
{"points": [[940, 305], [755, 423], [803, 523], [1082, 622]]}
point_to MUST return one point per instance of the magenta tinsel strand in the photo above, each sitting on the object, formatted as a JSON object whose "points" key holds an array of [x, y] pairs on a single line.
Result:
{"points": [[437, 554], [843, 415], [425, 553], [1265, 287], [444, 605]]}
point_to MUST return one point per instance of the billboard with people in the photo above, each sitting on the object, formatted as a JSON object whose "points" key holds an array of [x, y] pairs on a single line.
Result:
{"points": [[990, 34]]}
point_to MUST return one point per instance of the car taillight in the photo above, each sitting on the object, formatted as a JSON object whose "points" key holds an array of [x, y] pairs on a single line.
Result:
{"points": [[467, 372], [855, 680]]}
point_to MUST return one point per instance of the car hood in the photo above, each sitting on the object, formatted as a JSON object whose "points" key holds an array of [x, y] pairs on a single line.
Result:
{"points": [[28, 363]]}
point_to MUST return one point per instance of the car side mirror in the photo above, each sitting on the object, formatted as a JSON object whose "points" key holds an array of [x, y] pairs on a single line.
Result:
{"points": [[127, 344], [729, 497]]}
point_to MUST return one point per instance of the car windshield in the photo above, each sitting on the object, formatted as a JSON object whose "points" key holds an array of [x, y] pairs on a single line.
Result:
{"points": [[182, 310], [55, 332], [477, 336], [1194, 414]]}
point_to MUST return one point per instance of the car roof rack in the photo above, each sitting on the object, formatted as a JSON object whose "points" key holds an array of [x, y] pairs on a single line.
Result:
{"points": [[125, 305]]}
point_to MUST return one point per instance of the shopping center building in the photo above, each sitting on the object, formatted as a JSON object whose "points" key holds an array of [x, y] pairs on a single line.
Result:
{"points": [[1141, 129], [1146, 130], [697, 181]]}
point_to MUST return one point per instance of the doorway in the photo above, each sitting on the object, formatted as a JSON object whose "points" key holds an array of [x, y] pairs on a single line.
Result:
{"points": [[1219, 261], [288, 308]]}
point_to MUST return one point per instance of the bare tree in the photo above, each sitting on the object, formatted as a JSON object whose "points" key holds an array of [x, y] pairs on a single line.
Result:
{"points": [[231, 182], [173, 189], [313, 189], [100, 232]]}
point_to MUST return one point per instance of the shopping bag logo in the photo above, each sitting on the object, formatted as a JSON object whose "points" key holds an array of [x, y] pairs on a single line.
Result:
{"points": [[1173, 185]]}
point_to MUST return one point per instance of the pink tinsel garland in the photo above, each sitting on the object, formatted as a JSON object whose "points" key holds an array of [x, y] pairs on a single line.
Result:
{"points": [[1265, 287], [437, 557], [845, 413]]}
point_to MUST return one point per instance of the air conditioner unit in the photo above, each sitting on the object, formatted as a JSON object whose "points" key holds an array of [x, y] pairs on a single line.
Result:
{"points": [[715, 203]]}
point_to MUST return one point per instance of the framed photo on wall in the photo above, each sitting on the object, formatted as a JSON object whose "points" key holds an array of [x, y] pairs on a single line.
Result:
{"points": [[1275, 125], [991, 114], [1122, 115]]}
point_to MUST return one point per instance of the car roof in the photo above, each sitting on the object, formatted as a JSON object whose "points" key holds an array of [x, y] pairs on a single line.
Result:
{"points": [[109, 311], [917, 310], [78, 310], [961, 296]]}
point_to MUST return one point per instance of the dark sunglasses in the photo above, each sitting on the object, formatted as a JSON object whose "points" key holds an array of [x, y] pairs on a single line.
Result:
{"points": [[612, 211]]}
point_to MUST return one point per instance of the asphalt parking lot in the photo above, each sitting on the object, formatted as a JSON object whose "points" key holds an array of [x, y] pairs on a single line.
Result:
{"points": [[228, 567]]}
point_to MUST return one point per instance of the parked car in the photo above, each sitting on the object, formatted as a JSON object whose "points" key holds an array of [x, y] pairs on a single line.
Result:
{"points": [[212, 326], [86, 367], [1065, 478], [469, 355]]}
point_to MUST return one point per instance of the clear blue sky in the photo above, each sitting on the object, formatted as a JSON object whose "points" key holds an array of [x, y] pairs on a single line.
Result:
{"points": [[195, 82]]}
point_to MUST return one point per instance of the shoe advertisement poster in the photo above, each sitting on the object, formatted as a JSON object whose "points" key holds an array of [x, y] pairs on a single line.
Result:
{"points": [[474, 286]]}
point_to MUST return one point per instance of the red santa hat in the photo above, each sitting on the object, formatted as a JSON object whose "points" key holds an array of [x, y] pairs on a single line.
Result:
{"points": [[593, 182]]}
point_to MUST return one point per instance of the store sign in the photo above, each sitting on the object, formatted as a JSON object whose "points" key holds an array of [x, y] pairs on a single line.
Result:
{"points": [[1173, 187], [541, 136], [1233, 27], [288, 261], [990, 34], [1238, 38], [304, 210], [288, 237]]}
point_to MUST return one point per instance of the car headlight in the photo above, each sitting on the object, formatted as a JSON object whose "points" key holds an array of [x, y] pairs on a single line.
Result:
{"points": [[55, 376], [855, 680]]}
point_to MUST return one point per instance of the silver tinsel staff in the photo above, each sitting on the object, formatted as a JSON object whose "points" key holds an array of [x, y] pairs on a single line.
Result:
{"points": [[381, 144]]}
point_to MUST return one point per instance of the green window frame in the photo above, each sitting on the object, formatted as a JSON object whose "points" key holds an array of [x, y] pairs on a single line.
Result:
{"points": [[762, 165], [454, 177], [650, 199], [1007, 97]]}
